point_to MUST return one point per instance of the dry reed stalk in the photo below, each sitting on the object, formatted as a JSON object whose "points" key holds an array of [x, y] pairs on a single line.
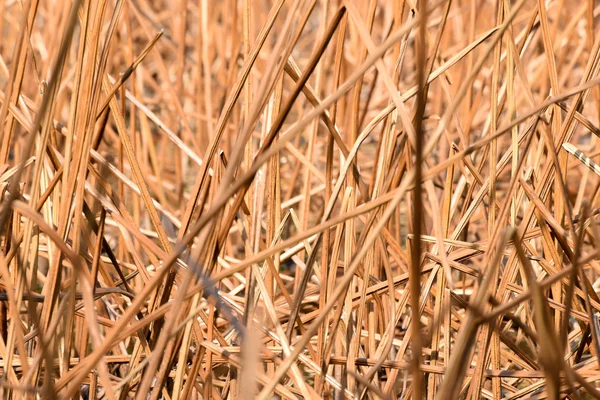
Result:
{"points": [[302, 199]]}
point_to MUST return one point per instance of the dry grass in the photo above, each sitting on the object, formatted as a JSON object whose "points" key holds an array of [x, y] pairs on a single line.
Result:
{"points": [[257, 198]]}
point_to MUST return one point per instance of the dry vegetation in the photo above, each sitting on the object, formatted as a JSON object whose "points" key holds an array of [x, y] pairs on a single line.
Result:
{"points": [[299, 199]]}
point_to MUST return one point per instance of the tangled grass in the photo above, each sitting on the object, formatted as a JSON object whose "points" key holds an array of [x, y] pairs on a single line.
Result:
{"points": [[299, 199]]}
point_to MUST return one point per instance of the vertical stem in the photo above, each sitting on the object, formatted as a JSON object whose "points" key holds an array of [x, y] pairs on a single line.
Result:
{"points": [[415, 267]]}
